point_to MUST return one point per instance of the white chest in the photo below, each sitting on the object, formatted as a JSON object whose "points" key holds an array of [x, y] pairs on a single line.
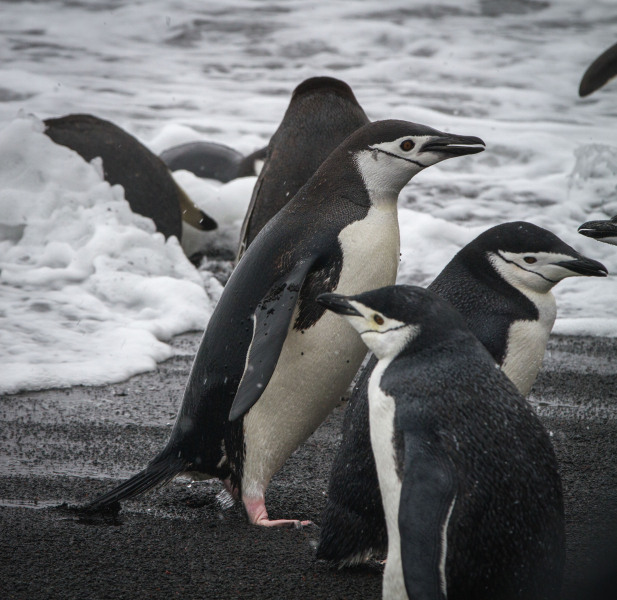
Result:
{"points": [[527, 343], [316, 366], [371, 250], [381, 419]]}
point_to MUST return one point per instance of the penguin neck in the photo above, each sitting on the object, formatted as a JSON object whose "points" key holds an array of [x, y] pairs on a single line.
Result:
{"points": [[383, 177]]}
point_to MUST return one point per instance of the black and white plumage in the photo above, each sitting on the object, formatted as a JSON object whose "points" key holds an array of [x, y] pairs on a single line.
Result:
{"points": [[602, 230], [272, 362], [467, 473], [322, 112], [501, 283]]}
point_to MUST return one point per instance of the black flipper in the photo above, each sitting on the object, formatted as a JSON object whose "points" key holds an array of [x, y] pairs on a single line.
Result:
{"points": [[160, 471], [270, 326], [601, 70], [427, 498]]}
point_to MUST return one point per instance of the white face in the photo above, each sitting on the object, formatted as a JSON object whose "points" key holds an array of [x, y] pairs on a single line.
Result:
{"points": [[388, 166], [384, 337], [534, 271]]}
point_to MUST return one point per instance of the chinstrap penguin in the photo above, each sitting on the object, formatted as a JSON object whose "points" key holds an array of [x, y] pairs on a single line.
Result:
{"points": [[210, 160], [273, 362], [501, 283], [603, 231], [322, 112], [468, 476], [149, 187]]}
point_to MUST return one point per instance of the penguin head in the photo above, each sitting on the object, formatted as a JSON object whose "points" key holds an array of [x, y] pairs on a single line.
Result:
{"points": [[389, 153], [603, 231], [320, 85], [531, 258], [395, 317]]}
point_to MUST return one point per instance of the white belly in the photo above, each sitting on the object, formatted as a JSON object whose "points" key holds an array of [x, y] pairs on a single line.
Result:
{"points": [[381, 419], [316, 366], [527, 343]]}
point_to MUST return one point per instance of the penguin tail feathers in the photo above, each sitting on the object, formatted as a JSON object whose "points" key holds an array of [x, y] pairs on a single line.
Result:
{"points": [[159, 472]]}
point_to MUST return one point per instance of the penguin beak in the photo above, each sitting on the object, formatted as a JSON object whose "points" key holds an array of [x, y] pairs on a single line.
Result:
{"points": [[584, 266], [454, 145], [338, 304], [603, 231]]}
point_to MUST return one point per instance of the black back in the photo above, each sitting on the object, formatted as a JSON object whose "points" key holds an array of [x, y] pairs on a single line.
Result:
{"points": [[506, 531], [148, 185], [322, 112], [353, 523]]}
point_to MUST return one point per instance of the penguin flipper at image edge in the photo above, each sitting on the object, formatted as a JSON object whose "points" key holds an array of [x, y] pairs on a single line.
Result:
{"points": [[599, 72], [194, 450]]}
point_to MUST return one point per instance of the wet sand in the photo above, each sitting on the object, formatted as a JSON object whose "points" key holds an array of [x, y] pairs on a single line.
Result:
{"points": [[179, 542]]}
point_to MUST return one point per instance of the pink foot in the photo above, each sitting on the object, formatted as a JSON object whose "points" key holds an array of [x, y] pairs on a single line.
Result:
{"points": [[258, 515]]}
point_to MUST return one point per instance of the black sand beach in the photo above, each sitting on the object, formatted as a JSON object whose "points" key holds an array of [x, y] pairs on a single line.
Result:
{"points": [[178, 542]]}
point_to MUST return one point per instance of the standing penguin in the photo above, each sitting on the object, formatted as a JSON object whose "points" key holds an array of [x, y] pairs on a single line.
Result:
{"points": [[322, 112], [501, 283], [272, 362], [467, 473]]}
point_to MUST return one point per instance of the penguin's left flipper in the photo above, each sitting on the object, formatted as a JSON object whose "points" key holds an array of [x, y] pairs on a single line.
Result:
{"points": [[271, 322], [428, 495]]}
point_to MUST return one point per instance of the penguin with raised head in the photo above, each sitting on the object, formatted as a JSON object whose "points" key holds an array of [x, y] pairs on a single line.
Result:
{"points": [[210, 160], [272, 362], [501, 283], [322, 112], [149, 187], [468, 476]]}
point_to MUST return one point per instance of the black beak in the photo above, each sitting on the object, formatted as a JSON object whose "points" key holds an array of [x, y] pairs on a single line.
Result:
{"points": [[454, 145], [598, 230], [584, 266], [338, 304]]}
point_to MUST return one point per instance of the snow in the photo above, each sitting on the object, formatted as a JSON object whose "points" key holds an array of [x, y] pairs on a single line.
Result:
{"points": [[90, 293]]}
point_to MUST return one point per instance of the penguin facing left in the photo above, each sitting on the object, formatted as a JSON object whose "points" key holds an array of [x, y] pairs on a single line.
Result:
{"points": [[468, 476], [322, 112], [501, 283], [602, 231], [272, 362]]}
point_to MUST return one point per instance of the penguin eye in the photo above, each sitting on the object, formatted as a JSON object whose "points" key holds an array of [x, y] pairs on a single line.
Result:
{"points": [[530, 260], [378, 319], [407, 145]]}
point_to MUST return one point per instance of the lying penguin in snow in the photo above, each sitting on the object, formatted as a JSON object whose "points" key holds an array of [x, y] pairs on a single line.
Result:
{"points": [[149, 187]]}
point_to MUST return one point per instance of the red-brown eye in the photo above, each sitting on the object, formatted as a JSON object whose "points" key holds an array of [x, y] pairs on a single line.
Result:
{"points": [[407, 145], [530, 260], [378, 319]]}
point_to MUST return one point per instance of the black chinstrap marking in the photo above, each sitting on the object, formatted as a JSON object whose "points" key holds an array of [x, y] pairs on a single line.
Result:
{"points": [[524, 269], [415, 162]]}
